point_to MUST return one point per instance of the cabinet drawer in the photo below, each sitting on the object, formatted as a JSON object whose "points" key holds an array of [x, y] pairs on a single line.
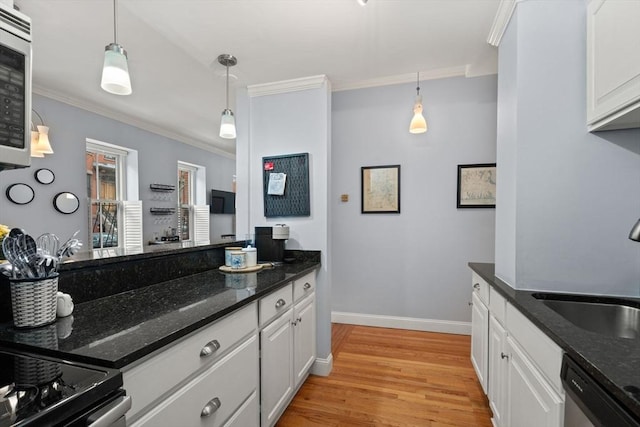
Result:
{"points": [[481, 288], [221, 389], [154, 377], [247, 415], [497, 305], [541, 349], [304, 286], [275, 303]]}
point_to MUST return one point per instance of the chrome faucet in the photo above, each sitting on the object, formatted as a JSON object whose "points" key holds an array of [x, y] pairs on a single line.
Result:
{"points": [[635, 232]]}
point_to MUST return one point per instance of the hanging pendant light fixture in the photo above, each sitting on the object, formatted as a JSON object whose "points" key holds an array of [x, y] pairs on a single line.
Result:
{"points": [[228, 122], [115, 72], [418, 123], [40, 144]]}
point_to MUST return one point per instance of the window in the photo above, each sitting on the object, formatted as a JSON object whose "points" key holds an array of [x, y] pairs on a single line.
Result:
{"points": [[104, 189], [186, 198]]}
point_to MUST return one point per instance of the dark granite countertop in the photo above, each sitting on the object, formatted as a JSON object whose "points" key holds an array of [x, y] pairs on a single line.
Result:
{"points": [[117, 330], [611, 361]]}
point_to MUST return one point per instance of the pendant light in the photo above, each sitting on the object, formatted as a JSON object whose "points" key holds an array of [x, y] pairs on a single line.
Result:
{"points": [[228, 122], [40, 144], [418, 123], [115, 72]]}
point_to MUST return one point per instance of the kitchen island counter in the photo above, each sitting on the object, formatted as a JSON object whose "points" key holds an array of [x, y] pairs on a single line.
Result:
{"points": [[117, 330], [613, 362]]}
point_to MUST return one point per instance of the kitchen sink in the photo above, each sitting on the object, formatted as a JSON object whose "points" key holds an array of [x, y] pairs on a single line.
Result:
{"points": [[608, 316]]}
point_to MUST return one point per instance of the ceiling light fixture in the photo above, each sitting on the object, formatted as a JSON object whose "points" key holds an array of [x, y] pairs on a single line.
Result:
{"points": [[115, 72], [362, 2], [418, 123], [40, 144], [228, 122]]}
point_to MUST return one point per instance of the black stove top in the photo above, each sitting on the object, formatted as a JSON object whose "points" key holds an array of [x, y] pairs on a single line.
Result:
{"points": [[35, 390]]}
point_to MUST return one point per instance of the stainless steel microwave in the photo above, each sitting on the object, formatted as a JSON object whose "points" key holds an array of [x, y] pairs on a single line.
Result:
{"points": [[15, 89]]}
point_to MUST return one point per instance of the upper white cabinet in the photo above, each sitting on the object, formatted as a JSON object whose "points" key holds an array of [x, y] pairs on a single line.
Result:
{"points": [[613, 64]]}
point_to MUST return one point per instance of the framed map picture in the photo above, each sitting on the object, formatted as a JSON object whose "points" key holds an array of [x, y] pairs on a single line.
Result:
{"points": [[380, 189], [477, 186]]}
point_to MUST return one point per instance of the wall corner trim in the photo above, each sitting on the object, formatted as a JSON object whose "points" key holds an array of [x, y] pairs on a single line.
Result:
{"points": [[322, 367], [411, 323], [285, 86], [501, 20]]}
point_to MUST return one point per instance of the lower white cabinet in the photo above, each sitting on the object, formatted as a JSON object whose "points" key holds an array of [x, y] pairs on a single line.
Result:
{"points": [[532, 401], [498, 365], [304, 338], [479, 339], [517, 365], [276, 373]]}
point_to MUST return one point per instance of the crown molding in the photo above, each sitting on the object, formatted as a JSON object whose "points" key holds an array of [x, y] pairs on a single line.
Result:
{"points": [[285, 86], [127, 119], [501, 20], [441, 73]]}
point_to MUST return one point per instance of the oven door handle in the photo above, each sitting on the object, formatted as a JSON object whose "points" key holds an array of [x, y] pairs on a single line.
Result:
{"points": [[111, 413]]}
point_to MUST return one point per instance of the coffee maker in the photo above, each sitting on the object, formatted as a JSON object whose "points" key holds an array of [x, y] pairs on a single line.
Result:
{"points": [[270, 243]]}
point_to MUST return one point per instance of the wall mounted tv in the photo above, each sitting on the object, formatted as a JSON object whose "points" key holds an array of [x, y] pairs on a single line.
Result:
{"points": [[222, 202]]}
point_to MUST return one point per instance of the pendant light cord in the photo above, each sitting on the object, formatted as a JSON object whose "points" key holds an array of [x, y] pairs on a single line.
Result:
{"points": [[115, 21], [418, 83], [227, 85]]}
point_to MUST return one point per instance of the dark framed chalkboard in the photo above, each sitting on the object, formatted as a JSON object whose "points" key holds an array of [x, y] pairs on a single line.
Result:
{"points": [[295, 200]]}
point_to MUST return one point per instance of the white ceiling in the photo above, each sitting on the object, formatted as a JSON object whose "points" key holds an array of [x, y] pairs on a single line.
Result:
{"points": [[178, 85]]}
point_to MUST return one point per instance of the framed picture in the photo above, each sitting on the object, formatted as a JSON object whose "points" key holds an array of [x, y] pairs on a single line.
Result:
{"points": [[477, 186], [380, 189]]}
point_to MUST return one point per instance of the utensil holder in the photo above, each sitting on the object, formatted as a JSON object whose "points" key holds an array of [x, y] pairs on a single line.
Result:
{"points": [[34, 301]]}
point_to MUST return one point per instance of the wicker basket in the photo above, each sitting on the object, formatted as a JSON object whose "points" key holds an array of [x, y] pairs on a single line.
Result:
{"points": [[34, 301]]}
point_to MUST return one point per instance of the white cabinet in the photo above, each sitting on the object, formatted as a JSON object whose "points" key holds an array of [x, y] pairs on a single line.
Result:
{"points": [[498, 365], [532, 401], [517, 365], [287, 345], [276, 373], [304, 338], [613, 64], [186, 384]]}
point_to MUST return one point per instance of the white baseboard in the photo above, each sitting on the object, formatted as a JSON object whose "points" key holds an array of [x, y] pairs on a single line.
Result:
{"points": [[322, 367], [412, 323]]}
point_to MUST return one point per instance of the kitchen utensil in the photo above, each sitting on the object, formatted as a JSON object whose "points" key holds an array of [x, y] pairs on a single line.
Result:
{"points": [[48, 243]]}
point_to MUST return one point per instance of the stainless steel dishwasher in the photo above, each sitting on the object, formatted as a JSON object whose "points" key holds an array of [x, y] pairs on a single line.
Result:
{"points": [[587, 403]]}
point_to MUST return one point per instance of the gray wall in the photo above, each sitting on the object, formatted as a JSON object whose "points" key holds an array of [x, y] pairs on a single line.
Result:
{"points": [[412, 264], [576, 195], [69, 128]]}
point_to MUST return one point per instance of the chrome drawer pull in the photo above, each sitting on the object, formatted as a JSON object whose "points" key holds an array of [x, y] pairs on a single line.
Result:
{"points": [[211, 407], [504, 356], [280, 303], [476, 286], [307, 286], [210, 348]]}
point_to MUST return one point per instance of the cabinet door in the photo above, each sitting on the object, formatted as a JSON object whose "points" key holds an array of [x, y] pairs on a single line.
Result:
{"points": [[479, 339], [276, 374], [613, 64], [498, 360], [532, 402], [304, 337]]}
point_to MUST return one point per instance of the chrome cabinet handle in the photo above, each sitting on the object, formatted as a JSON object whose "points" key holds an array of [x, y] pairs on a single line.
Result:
{"points": [[211, 407], [476, 286], [470, 303], [280, 303], [307, 286], [504, 356], [298, 320], [210, 348]]}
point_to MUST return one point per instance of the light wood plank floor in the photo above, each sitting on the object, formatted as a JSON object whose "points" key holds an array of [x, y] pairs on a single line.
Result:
{"points": [[392, 377]]}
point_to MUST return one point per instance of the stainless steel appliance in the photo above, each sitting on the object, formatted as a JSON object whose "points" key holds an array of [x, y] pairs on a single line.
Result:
{"points": [[15, 89], [39, 391], [588, 404], [270, 242]]}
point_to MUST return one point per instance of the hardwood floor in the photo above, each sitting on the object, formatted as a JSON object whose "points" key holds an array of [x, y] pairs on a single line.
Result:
{"points": [[392, 377]]}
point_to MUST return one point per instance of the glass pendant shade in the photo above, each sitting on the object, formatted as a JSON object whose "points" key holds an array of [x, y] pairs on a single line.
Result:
{"points": [[44, 146], [115, 72], [227, 125], [35, 149], [418, 123]]}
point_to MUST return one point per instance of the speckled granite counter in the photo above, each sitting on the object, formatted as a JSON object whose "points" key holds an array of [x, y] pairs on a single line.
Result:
{"points": [[119, 329], [613, 362]]}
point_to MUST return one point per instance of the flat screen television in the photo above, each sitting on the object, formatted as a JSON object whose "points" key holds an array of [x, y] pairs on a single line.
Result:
{"points": [[222, 202]]}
